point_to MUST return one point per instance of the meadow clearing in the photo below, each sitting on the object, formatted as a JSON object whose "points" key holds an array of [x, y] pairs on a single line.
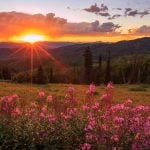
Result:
{"points": [[140, 94], [61, 116]]}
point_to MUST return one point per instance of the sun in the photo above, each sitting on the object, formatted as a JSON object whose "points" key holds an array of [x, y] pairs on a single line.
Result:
{"points": [[32, 38]]}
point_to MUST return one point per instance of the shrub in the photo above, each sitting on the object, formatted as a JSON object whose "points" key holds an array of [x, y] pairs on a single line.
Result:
{"points": [[22, 77]]}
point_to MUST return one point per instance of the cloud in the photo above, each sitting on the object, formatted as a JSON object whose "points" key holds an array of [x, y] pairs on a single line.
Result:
{"points": [[106, 14], [109, 27], [114, 17], [16, 23], [143, 30], [119, 8], [127, 10], [101, 10], [133, 13], [94, 27]]}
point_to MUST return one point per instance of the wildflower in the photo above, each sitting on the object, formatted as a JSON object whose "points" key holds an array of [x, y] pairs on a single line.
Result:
{"points": [[85, 107], [44, 109], [104, 127], [33, 104], [118, 120], [70, 89], [16, 112], [42, 115], [114, 148], [51, 118], [86, 146], [41, 94], [110, 86], [137, 136], [128, 101], [15, 96], [92, 88], [115, 138], [49, 98], [105, 97]]}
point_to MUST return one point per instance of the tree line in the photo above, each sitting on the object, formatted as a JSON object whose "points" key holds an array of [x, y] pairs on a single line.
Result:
{"points": [[128, 69]]}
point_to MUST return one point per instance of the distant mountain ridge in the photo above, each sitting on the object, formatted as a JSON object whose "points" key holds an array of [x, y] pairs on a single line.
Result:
{"points": [[47, 44], [122, 48], [72, 53]]}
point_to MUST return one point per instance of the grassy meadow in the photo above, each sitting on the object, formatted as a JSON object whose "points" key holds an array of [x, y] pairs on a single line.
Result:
{"points": [[140, 94]]}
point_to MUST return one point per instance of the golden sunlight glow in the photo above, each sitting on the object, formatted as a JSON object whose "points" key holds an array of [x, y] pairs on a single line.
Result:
{"points": [[32, 38]]}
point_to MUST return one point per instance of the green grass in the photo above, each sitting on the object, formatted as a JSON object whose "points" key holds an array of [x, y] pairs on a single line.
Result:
{"points": [[139, 94]]}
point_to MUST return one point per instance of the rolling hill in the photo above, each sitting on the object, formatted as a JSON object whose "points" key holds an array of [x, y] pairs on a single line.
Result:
{"points": [[72, 53]]}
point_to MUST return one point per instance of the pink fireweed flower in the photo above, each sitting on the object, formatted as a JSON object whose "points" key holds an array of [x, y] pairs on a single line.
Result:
{"points": [[44, 109], [91, 89], [31, 111], [109, 86], [95, 106], [137, 136], [85, 107], [104, 127], [117, 107], [114, 148], [106, 97], [15, 96], [71, 89], [41, 94], [118, 120], [49, 98], [91, 123], [66, 116], [51, 118], [140, 108], [42, 115], [16, 112], [115, 138], [72, 111], [128, 101], [33, 104], [86, 146]]}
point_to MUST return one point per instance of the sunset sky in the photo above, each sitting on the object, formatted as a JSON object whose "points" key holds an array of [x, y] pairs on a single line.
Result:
{"points": [[77, 21]]}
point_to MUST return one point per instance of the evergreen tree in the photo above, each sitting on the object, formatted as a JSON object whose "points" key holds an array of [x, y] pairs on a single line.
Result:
{"points": [[134, 71], [99, 70], [108, 70], [88, 65], [6, 73], [50, 75], [1, 75], [41, 77]]}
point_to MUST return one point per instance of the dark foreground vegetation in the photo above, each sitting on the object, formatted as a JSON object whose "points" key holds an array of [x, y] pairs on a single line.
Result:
{"points": [[47, 122]]}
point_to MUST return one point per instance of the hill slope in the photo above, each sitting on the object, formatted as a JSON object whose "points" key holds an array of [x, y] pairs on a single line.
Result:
{"points": [[72, 53]]}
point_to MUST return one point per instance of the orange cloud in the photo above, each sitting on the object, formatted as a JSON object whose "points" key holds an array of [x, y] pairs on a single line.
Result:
{"points": [[13, 24]]}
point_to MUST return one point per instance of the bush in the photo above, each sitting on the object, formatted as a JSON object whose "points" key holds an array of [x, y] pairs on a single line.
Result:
{"points": [[138, 89], [22, 77], [40, 76]]}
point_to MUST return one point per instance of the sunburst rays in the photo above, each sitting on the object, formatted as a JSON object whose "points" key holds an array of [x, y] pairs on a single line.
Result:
{"points": [[36, 52]]}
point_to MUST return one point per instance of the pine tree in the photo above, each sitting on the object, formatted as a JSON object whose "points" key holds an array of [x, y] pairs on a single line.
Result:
{"points": [[99, 70], [108, 70], [1, 75], [88, 65], [50, 75], [41, 77], [6, 73]]}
